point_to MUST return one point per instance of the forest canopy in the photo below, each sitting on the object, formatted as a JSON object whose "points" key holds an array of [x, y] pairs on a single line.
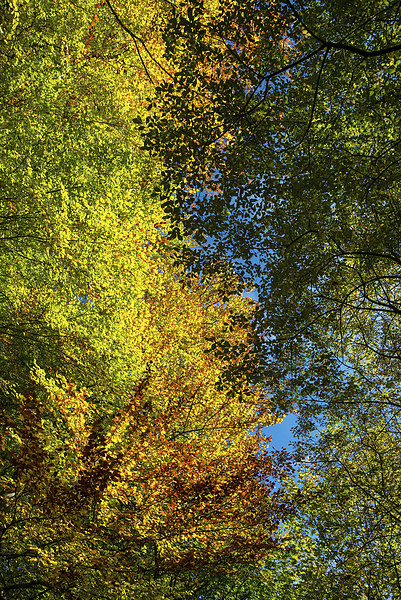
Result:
{"points": [[158, 160]]}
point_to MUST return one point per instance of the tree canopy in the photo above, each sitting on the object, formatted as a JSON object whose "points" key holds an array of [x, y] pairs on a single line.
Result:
{"points": [[157, 160]]}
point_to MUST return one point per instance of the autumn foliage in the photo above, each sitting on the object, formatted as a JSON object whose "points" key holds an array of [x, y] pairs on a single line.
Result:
{"points": [[168, 476], [133, 461]]}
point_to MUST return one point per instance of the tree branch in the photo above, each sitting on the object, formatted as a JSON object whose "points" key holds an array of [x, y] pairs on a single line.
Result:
{"points": [[137, 39], [342, 45]]}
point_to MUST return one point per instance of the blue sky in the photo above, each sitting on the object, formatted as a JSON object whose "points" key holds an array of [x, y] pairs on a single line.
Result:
{"points": [[281, 433]]}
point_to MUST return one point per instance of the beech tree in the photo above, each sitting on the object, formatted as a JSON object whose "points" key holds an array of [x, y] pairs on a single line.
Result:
{"points": [[133, 460], [305, 199], [348, 512], [304, 196], [157, 159], [130, 484]]}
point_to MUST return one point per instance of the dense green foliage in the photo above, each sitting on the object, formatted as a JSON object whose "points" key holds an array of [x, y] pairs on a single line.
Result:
{"points": [[306, 191]]}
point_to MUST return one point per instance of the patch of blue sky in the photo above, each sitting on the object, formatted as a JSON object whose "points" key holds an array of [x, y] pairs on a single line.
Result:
{"points": [[282, 434]]}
